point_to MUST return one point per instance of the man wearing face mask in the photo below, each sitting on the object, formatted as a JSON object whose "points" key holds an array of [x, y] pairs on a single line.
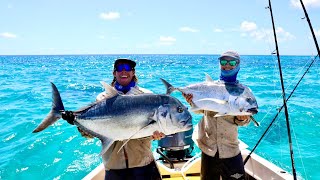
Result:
{"points": [[217, 136]]}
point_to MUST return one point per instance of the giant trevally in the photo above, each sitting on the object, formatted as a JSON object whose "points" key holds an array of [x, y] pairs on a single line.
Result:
{"points": [[223, 98], [123, 117]]}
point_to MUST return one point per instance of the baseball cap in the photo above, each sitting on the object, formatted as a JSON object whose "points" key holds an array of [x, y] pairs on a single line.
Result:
{"points": [[126, 61], [230, 53]]}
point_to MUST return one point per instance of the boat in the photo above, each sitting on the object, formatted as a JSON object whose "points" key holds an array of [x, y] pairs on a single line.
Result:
{"points": [[256, 168], [179, 165], [173, 166]]}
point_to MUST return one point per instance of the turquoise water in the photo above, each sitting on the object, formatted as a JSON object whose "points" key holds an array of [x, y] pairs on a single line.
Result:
{"points": [[60, 152]]}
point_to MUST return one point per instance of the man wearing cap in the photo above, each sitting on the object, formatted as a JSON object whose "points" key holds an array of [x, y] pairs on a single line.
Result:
{"points": [[135, 159], [217, 136]]}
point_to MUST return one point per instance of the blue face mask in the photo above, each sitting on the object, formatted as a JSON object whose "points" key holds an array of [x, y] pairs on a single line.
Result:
{"points": [[230, 75], [124, 89]]}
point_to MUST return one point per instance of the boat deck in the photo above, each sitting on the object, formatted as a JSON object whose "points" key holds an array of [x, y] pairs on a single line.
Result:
{"points": [[256, 168]]}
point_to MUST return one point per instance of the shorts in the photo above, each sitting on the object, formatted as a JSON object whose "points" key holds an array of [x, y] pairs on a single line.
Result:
{"points": [[148, 172], [214, 167]]}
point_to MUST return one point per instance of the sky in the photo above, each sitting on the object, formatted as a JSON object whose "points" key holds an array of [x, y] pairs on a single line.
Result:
{"points": [[57, 27]]}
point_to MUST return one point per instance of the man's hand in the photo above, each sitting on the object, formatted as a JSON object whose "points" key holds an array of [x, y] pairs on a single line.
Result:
{"points": [[243, 118], [68, 116], [188, 97], [157, 135]]}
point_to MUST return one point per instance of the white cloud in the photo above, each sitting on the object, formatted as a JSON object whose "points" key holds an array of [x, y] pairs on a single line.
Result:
{"points": [[110, 15], [217, 30], [266, 34], [307, 3], [167, 40], [283, 35], [8, 35], [248, 26], [188, 29], [251, 29]]}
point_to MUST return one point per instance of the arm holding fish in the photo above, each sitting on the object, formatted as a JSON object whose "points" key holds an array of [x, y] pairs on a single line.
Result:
{"points": [[100, 97], [156, 135], [138, 90], [189, 98], [242, 120], [68, 116]]}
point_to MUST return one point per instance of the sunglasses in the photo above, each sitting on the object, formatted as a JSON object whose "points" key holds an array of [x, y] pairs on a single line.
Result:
{"points": [[224, 62], [122, 67]]}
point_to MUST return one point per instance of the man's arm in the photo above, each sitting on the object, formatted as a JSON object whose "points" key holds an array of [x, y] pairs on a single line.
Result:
{"points": [[242, 120], [100, 97]]}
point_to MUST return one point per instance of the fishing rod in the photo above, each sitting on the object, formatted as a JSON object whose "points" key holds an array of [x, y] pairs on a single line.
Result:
{"points": [[310, 27], [279, 110], [283, 94], [316, 44]]}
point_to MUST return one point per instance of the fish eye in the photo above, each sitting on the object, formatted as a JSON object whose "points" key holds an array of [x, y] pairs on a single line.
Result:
{"points": [[179, 109]]}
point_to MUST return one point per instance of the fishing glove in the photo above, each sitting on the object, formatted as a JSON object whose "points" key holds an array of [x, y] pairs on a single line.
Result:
{"points": [[68, 116], [84, 133]]}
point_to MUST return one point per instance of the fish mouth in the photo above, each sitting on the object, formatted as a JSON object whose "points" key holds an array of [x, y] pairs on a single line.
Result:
{"points": [[253, 110], [188, 123]]}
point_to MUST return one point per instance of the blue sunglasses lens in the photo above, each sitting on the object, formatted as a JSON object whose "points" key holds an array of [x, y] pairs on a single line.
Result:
{"points": [[122, 67]]}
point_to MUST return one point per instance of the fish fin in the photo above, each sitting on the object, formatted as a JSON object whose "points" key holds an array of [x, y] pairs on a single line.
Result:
{"points": [[135, 91], [195, 108], [123, 144], [109, 89], [151, 122], [218, 101], [107, 153], [219, 115], [106, 144], [208, 78], [168, 86], [55, 113]]}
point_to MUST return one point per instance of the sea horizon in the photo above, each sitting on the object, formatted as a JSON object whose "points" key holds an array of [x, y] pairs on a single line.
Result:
{"points": [[93, 54]]}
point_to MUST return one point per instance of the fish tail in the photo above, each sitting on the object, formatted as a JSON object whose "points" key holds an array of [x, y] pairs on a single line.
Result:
{"points": [[169, 87], [55, 113]]}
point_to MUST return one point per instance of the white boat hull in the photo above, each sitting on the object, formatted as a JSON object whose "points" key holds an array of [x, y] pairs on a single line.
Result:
{"points": [[256, 167]]}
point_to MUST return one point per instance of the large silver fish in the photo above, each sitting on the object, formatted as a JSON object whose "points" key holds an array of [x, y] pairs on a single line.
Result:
{"points": [[123, 117], [223, 98]]}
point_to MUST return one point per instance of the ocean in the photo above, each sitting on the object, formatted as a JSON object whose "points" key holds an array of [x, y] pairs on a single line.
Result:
{"points": [[60, 152]]}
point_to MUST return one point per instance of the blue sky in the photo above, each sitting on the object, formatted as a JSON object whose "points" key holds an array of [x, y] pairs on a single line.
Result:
{"points": [[155, 27]]}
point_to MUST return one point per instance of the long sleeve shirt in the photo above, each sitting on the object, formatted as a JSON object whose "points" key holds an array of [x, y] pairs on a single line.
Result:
{"points": [[136, 152], [215, 133]]}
